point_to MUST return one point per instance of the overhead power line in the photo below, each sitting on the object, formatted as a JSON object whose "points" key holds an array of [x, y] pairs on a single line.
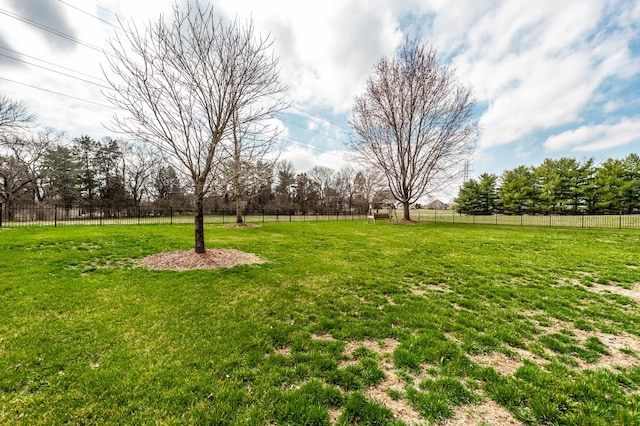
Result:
{"points": [[302, 126], [56, 93], [89, 14], [50, 30], [319, 117], [53, 64], [57, 72]]}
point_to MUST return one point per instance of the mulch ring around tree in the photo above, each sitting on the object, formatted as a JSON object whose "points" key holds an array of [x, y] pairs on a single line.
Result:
{"points": [[186, 260]]}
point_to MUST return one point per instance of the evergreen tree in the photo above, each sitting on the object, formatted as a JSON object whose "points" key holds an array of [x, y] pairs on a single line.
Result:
{"points": [[518, 192]]}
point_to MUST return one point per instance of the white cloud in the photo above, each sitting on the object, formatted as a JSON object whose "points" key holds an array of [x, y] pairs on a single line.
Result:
{"points": [[326, 49], [536, 65], [305, 157], [596, 137], [553, 93]]}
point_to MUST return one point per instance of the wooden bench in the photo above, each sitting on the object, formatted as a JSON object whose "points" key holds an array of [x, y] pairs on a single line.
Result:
{"points": [[378, 216]]}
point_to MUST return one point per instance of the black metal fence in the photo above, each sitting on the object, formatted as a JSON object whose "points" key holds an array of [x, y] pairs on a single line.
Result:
{"points": [[616, 221], [23, 215]]}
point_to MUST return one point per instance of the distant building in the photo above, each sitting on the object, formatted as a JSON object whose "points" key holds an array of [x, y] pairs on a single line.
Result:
{"points": [[437, 205]]}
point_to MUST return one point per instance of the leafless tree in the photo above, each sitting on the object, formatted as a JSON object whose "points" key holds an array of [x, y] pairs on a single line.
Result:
{"points": [[139, 163], [248, 157], [325, 179], [21, 167], [14, 116], [414, 123], [180, 83], [345, 184], [368, 186]]}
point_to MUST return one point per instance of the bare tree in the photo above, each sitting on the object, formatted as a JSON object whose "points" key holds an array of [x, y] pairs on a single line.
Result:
{"points": [[324, 177], [345, 179], [368, 186], [14, 116], [21, 169], [180, 84], [414, 123], [139, 163], [248, 156]]}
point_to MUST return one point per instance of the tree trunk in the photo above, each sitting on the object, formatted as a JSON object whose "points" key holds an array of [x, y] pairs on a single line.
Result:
{"points": [[199, 223], [9, 210], [238, 209], [405, 209]]}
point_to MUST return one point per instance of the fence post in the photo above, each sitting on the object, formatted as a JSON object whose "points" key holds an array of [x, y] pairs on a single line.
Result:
{"points": [[263, 215], [0, 215], [138, 215], [290, 214], [620, 221], [55, 215], [277, 215], [171, 215]]}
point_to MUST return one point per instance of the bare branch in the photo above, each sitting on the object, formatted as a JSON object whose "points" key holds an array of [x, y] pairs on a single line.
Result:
{"points": [[14, 116]]}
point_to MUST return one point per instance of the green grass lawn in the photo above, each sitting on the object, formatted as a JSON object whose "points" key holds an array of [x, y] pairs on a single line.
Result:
{"points": [[347, 323]]}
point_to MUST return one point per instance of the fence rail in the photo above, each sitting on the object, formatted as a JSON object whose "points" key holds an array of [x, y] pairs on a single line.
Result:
{"points": [[24, 215]]}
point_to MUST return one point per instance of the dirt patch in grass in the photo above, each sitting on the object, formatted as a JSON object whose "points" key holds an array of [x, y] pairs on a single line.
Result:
{"points": [[503, 364], [569, 282], [391, 382], [334, 415], [190, 260], [418, 291], [622, 349], [423, 289], [386, 346], [487, 412], [399, 407], [326, 337], [633, 293], [286, 351], [526, 355]]}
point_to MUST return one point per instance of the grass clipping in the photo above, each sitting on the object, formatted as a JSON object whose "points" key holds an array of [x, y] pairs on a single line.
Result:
{"points": [[187, 260]]}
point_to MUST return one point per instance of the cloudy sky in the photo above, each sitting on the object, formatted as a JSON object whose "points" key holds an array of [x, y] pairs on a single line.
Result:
{"points": [[552, 78]]}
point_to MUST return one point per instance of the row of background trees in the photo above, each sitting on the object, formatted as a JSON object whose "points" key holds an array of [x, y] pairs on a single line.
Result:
{"points": [[557, 186], [46, 169]]}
